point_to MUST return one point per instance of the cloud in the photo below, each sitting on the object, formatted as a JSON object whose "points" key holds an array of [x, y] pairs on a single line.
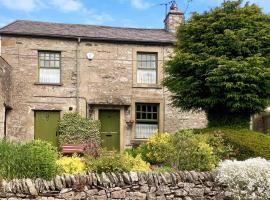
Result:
{"points": [[92, 16], [67, 5], [140, 4], [21, 5], [96, 17]]}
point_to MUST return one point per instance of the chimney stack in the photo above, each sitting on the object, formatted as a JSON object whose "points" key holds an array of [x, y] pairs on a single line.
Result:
{"points": [[173, 19]]}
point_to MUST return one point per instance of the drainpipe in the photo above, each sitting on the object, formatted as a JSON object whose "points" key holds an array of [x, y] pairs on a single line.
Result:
{"points": [[78, 75], [7, 110]]}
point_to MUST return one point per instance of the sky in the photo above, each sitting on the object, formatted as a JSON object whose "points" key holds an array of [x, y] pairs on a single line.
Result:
{"points": [[123, 13]]}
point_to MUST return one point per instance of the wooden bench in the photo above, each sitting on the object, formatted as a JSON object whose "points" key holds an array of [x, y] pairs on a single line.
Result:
{"points": [[73, 148]]}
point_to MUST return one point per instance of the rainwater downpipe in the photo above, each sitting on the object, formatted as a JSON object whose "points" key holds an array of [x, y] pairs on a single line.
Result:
{"points": [[78, 75], [7, 110]]}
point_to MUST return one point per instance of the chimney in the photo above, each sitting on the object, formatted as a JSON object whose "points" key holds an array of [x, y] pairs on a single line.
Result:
{"points": [[173, 19]]}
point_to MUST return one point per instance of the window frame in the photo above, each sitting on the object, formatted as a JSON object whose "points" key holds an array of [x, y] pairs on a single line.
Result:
{"points": [[60, 66], [156, 66]]}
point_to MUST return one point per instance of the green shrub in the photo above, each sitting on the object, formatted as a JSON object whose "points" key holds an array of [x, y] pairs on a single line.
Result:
{"points": [[116, 162], [7, 158], [191, 152], [70, 165], [157, 149], [163, 169], [36, 159], [221, 149], [74, 129], [246, 143]]}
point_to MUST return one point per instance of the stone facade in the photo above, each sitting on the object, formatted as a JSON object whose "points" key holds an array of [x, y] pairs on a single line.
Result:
{"points": [[107, 81], [5, 81], [132, 186]]}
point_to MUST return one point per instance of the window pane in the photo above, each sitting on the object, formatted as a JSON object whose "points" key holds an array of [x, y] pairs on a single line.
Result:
{"points": [[143, 115], [146, 76], [47, 63], [143, 108], [149, 108], [138, 115], [48, 75], [143, 57], [41, 55], [47, 56], [41, 63], [138, 107], [139, 57], [144, 131], [153, 65], [51, 63], [57, 64]]}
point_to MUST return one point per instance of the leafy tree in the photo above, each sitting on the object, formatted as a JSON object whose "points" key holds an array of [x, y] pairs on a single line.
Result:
{"points": [[221, 64]]}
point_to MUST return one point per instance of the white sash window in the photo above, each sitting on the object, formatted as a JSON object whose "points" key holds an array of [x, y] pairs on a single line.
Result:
{"points": [[147, 68], [49, 67], [147, 116]]}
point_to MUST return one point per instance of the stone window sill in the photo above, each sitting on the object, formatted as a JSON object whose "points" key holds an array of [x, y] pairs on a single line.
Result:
{"points": [[49, 84], [138, 140], [154, 86]]}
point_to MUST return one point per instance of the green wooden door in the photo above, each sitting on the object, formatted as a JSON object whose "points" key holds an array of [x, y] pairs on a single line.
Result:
{"points": [[110, 129], [46, 123]]}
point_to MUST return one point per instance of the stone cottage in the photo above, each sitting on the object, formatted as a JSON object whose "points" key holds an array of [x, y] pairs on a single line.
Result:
{"points": [[108, 73]]}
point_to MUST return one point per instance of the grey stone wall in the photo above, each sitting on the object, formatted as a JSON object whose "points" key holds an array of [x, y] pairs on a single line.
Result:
{"points": [[139, 186]]}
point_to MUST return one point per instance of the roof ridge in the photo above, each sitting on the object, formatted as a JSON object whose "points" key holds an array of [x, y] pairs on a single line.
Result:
{"points": [[87, 25], [94, 32]]}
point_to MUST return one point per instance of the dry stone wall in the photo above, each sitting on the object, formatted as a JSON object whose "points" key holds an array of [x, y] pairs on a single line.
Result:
{"points": [[179, 186]]}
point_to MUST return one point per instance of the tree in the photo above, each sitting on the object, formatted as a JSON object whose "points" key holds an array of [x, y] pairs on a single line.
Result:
{"points": [[221, 64]]}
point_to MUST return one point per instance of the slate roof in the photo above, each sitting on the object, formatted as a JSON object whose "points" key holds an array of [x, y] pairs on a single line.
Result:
{"points": [[88, 32]]}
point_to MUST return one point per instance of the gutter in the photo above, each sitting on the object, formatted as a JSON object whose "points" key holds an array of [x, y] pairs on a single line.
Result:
{"points": [[78, 75]]}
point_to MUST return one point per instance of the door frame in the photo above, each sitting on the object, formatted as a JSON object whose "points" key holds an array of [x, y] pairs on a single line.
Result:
{"points": [[122, 120]]}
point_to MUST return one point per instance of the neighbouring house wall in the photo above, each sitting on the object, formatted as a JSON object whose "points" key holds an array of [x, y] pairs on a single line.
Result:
{"points": [[132, 186], [26, 95], [5, 84], [107, 81]]}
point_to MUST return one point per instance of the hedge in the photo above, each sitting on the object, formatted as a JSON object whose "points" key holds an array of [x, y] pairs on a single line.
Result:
{"points": [[246, 143]]}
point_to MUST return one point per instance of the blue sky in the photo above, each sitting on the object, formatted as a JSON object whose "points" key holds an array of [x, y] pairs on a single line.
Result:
{"points": [[127, 13]]}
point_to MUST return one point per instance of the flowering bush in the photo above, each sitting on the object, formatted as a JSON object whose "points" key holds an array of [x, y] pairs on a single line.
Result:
{"points": [[157, 149], [70, 165], [116, 162], [137, 164], [191, 152], [249, 179]]}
